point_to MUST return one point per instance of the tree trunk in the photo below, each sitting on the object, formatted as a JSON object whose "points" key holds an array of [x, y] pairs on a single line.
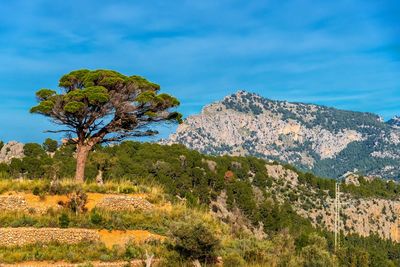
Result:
{"points": [[82, 153], [99, 177], [149, 259]]}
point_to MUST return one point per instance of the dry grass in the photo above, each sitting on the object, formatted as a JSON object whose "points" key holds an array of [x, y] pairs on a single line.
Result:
{"points": [[21, 185], [119, 187]]}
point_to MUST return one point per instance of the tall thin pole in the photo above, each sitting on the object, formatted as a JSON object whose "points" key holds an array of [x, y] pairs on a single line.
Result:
{"points": [[338, 214], [337, 225], [335, 216], [398, 224]]}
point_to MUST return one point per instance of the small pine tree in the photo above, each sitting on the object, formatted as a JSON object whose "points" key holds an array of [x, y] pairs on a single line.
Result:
{"points": [[50, 145]]}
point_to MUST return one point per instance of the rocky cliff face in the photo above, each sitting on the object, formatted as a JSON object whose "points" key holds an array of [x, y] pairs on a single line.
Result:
{"points": [[327, 141], [358, 215], [11, 150], [361, 216]]}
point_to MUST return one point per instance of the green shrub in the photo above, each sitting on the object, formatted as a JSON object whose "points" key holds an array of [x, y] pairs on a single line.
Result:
{"points": [[96, 218], [317, 255], [63, 220], [36, 191], [133, 251], [194, 240], [233, 260]]}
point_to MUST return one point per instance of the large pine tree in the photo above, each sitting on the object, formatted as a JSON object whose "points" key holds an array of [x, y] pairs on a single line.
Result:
{"points": [[104, 106]]}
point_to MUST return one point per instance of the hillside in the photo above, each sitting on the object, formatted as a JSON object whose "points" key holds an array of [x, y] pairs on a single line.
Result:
{"points": [[327, 141], [44, 223], [256, 213]]}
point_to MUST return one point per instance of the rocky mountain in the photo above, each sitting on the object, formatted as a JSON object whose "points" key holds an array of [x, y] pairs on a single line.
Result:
{"points": [[327, 141], [358, 215]]}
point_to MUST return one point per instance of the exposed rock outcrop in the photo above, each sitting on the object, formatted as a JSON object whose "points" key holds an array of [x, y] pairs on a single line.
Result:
{"points": [[11, 150], [239, 222], [280, 173], [212, 165], [362, 216], [351, 178], [395, 122]]}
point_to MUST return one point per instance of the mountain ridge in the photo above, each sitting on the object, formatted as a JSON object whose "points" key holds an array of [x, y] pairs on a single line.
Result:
{"points": [[321, 139]]}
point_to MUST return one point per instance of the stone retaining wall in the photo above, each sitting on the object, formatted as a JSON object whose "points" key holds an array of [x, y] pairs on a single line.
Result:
{"points": [[24, 236], [13, 203], [121, 203], [18, 203], [111, 202]]}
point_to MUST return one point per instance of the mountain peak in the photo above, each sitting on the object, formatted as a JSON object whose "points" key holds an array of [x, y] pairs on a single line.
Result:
{"points": [[240, 94], [394, 122]]}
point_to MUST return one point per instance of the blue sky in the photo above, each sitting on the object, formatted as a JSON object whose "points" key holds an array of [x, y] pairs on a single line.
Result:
{"points": [[344, 54]]}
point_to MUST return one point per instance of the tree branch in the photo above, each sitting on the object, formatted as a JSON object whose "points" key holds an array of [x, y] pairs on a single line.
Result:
{"points": [[59, 131]]}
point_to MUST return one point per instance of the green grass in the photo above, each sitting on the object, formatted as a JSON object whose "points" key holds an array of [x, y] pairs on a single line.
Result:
{"points": [[157, 222], [77, 253]]}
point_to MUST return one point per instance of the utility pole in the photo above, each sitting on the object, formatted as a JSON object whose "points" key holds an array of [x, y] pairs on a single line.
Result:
{"points": [[337, 225], [398, 225]]}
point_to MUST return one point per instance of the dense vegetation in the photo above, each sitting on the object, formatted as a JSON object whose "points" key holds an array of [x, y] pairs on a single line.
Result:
{"points": [[374, 188], [356, 156], [199, 180]]}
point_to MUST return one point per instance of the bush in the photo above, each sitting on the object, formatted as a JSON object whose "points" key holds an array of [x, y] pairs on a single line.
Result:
{"points": [[77, 201], [233, 260], [194, 240], [96, 218], [316, 254], [36, 191], [33, 150], [132, 251], [63, 220]]}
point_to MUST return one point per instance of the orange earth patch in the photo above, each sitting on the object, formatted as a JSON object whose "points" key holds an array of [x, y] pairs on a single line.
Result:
{"points": [[121, 238]]}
